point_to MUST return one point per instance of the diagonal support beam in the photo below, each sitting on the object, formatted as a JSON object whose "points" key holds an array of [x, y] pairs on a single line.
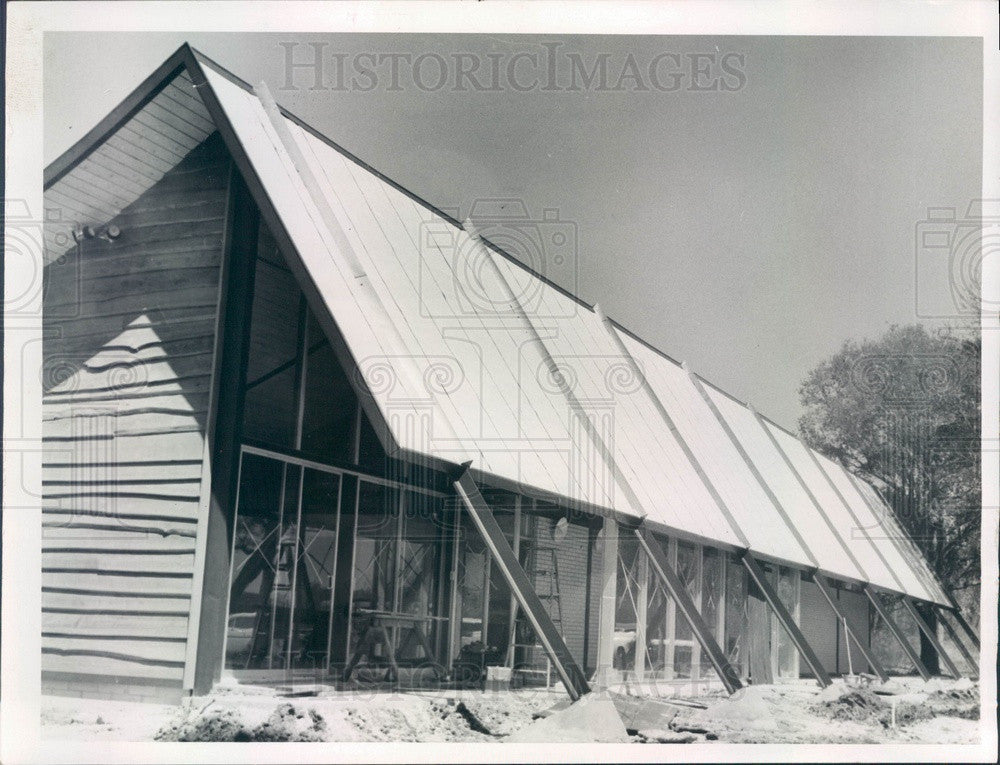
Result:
{"points": [[786, 620], [482, 516], [865, 649], [897, 633], [953, 634], [673, 584], [931, 635], [966, 627]]}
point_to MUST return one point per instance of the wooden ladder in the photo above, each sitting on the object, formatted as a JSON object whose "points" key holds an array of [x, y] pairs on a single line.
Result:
{"points": [[563, 663], [542, 571]]}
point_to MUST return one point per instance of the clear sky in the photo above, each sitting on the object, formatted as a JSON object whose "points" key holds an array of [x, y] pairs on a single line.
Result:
{"points": [[748, 230]]}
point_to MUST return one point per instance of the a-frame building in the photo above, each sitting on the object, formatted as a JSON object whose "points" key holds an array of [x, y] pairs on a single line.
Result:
{"points": [[298, 423]]}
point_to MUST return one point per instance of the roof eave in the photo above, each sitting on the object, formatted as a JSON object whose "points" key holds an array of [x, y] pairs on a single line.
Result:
{"points": [[181, 59]]}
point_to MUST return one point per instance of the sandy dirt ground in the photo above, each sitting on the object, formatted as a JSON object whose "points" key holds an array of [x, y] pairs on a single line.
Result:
{"points": [[906, 710]]}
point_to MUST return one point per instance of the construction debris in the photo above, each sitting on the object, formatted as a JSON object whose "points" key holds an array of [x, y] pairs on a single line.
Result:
{"points": [[640, 713], [904, 710], [591, 719], [285, 723], [748, 705], [654, 736]]}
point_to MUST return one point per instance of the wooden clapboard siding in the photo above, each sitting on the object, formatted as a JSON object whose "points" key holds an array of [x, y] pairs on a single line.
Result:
{"points": [[103, 662], [127, 471], [136, 528], [143, 159], [129, 351], [106, 627], [179, 586], [854, 606], [119, 558], [819, 624]]}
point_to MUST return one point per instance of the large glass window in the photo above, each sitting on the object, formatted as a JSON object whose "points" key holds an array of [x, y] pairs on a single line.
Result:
{"points": [[258, 529], [316, 554], [686, 649], [397, 596], [283, 640], [785, 656], [315, 571], [419, 581], [297, 395], [629, 606], [735, 644], [374, 555], [271, 393], [283, 566], [712, 594]]}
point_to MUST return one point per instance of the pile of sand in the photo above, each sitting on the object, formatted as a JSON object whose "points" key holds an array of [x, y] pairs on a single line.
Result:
{"points": [[435, 720], [593, 718], [748, 707]]}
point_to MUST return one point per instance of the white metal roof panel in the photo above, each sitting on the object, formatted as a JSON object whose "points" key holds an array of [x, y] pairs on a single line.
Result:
{"points": [[638, 440], [829, 549], [905, 544], [459, 367], [502, 413], [839, 514], [908, 581], [755, 514]]}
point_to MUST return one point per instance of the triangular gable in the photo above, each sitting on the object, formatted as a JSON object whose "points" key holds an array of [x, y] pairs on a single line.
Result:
{"points": [[126, 155]]}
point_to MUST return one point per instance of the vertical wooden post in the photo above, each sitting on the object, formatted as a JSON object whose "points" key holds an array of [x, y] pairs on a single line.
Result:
{"points": [[897, 633], [236, 299], [781, 613], [641, 615], [608, 540], [670, 617]]}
